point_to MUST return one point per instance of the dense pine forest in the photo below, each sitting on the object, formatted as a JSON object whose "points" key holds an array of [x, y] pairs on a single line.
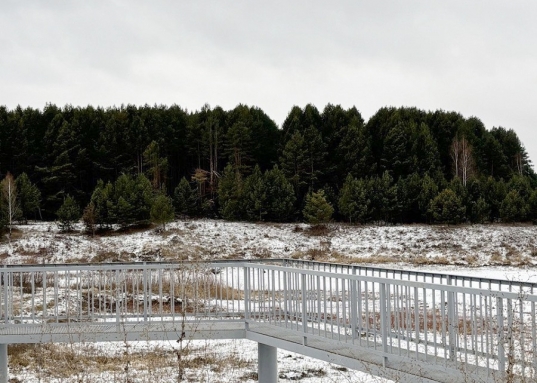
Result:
{"points": [[131, 165]]}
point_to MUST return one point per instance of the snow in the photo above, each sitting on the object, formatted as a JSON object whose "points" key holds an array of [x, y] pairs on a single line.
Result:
{"points": [[478, 250]]}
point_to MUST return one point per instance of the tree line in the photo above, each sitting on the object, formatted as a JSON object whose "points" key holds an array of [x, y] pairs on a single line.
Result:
{"points": [[402, 165]]}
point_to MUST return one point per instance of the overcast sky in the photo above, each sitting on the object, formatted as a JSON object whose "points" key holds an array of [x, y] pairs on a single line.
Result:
{"points": [[475, 57]]}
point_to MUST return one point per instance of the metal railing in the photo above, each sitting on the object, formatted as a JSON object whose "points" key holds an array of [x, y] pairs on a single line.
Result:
{"points": [[459, 323]]}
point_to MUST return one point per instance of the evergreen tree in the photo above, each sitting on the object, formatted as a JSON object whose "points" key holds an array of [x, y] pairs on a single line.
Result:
{"points": [[447, 207], [68, 214], [294, 163], [409, 189], [532, 206], [230, 191], [494, 193], [101, 199], [89, 217], [280, 196], [255, 196], [184, 198], [429, 191], [157, 166], [353, 203], [162, 210], [29, 197], [481, 211], [317, 209], [514, 208]]}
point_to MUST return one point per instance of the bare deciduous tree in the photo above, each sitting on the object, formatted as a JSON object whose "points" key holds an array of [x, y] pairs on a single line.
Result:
{"points": [[9, 199], [463, 163]]}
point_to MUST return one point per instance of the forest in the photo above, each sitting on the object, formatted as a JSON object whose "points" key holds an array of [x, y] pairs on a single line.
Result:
{"points": [[133, 165]]}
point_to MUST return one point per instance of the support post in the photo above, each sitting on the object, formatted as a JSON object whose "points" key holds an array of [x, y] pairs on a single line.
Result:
{"points": [[267, 359], [4, 373], [384, 323], [452, 322]]}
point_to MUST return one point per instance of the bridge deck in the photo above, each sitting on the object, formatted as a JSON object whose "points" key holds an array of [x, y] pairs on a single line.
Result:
{"points": [[404, 326]]}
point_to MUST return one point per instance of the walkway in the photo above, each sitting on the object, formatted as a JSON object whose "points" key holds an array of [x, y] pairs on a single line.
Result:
{"points": [[405, 326]]}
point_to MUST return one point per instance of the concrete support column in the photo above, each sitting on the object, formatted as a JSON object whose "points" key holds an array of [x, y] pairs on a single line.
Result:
{"points": [[3, 364], [267, 368]]}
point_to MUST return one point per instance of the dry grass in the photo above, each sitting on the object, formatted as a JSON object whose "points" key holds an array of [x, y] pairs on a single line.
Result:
{"points": [[61, 361], [318, 230], [105, 256]]}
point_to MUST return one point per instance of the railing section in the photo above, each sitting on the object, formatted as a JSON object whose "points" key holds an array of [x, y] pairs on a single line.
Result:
{"points": [[456, 322], [451, 325]]}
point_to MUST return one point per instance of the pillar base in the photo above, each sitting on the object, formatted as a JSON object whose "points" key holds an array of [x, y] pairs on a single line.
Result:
{"points": [[267, 367]]}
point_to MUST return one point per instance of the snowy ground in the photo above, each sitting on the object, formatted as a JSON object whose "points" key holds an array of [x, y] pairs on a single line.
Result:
{"points": [[498, 251]]}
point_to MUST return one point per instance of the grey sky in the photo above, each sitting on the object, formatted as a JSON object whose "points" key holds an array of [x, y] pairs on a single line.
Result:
{"points": [[475, 57]]}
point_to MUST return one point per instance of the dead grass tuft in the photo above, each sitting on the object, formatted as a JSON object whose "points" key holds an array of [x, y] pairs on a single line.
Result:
{"points": [[318, 230]]}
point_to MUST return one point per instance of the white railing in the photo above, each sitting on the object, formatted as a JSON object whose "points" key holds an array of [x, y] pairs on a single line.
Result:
{"points": [[457, 323]]}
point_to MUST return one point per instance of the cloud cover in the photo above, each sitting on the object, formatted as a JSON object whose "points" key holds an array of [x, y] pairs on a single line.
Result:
{"points": [[477, 57]]}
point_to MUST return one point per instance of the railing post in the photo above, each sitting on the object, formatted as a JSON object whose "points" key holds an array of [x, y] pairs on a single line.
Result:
{"points": [[384, 323], [304, 309], [354, 307], [501, 334], [267, 363], [247, 296], [5, 301], [146, 297], [4, 372], [452, 325]]}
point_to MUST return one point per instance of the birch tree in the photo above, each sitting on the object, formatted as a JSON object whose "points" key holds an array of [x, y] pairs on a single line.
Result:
{"points": [[9, 199]]}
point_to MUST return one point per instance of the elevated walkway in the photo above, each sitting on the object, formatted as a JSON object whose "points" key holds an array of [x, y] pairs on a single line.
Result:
{"points": [[404, 326]]}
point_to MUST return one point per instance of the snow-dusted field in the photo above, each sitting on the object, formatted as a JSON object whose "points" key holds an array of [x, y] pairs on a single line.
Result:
{"points": [[499, 251], [475, 245]]}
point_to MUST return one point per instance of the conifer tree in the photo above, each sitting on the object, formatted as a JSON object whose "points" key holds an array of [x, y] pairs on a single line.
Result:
{"points": [[447, 207], [230, 191], [317, 209], [514, 208], [184, 198], [68, 214], [29, 196], [280, 196], [101, 199], [162, 210], [89, 217], [353, 203], [255, 196]]}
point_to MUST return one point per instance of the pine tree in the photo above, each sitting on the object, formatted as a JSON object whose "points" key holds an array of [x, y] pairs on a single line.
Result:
{"points": [[294, 162], [255, 196], [162, 210], [68, 214], [89, 217], [447, 207], [317, 209], [29, 196], [429, 191], [353, 203], [184, 198], [102, 200], [514, 208], [230, 191], [157, 166], [532, 206], [481, 211], [280, 196]]}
